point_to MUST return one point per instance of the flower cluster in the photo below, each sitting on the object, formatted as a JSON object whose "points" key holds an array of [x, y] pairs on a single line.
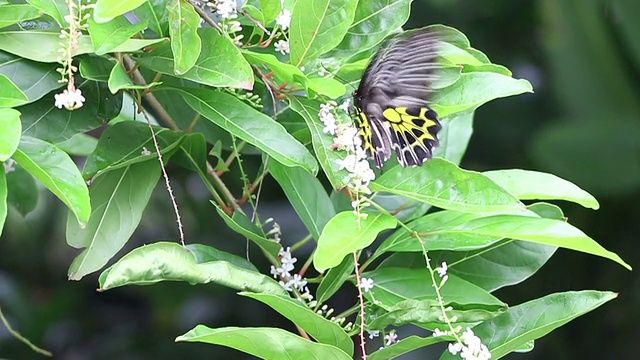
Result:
{"points": [[471, 347], [78, 14], [70, 99], [227, 9], [291, 282], [283, 21], [347, 138], [442, 272]]}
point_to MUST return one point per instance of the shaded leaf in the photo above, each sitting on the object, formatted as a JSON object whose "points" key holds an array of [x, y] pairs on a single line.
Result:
{"points": [[34, 79], [13, 14], [443, 184], [306, 195], [109, 35], [251, 126], [118, 199], [259, 342], [535, 319], [23, 191], [321, 329], [220, 63], [317, 26], [57, 172], [183, 30], [11, 95]]}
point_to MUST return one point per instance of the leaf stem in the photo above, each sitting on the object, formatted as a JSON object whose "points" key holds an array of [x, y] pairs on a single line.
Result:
{"points": [[22, 338]]}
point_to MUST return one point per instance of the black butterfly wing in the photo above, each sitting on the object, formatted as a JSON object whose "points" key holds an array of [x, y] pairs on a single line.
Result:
{"points": [[392, 99]]}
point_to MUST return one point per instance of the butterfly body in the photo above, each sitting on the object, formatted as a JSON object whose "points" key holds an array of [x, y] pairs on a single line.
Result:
{"points": [[391, 102]]}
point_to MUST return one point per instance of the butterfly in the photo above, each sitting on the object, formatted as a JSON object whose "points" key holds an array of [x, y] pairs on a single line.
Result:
{"points": [[392, 101]]}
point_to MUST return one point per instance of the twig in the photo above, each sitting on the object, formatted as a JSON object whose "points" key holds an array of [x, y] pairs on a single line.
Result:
{"points": [[22, 338], [258, 23], [203, 14], [362, 313]]}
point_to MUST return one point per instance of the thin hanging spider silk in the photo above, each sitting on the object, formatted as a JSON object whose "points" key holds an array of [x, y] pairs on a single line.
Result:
{"points": [[392, 101]]}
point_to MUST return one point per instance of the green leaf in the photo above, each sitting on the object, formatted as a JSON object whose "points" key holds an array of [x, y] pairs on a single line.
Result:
{"points": [[307, 196], [57, 172], [439, 231], [374, 20], [533, 185], [119, 79], [252, 126], [394, 284], [346, 233], [220, 63], [21, 43], [43, 120], [535, 319], [106, 10], [270, 9], [309, 109], [183, 30], [334, 279], [57, 9], [242, 225], [11, 95], [155, 11], [10, 129], [35, 80], [321, 329], [404, 346], [3, 198], [204, 254], [474, 89], [454, 137], [118, 199], [443, 184], [428, 311], [80, 144], [124, 143], [23, 191], [507, 263], [168, 261], [318, 26], [109, 35], [13, 14], [259, 342]]}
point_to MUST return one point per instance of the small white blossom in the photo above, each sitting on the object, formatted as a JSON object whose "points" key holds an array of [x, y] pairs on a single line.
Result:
{"points": [[284, 19], [145, 151], [471, 347], [442, 270], [227, 9], [70, 100], [366, 284], [391, 338], [373, 334], [282, 46], [437, 332], [9, 166]]}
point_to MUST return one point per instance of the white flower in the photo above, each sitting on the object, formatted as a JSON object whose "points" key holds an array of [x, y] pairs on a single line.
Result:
{"points": [[70, 100], [366, 284], [373, 334], [145, 151], [346, 105], [442, 270], [282, 46], [437, 332], [227, 9], [472, 349], [455, 348], [391, 338], [284, 19], [9, 166]]}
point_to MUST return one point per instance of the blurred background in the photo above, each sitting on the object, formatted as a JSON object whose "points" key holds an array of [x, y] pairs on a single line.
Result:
{"points": [[582, 123]]}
